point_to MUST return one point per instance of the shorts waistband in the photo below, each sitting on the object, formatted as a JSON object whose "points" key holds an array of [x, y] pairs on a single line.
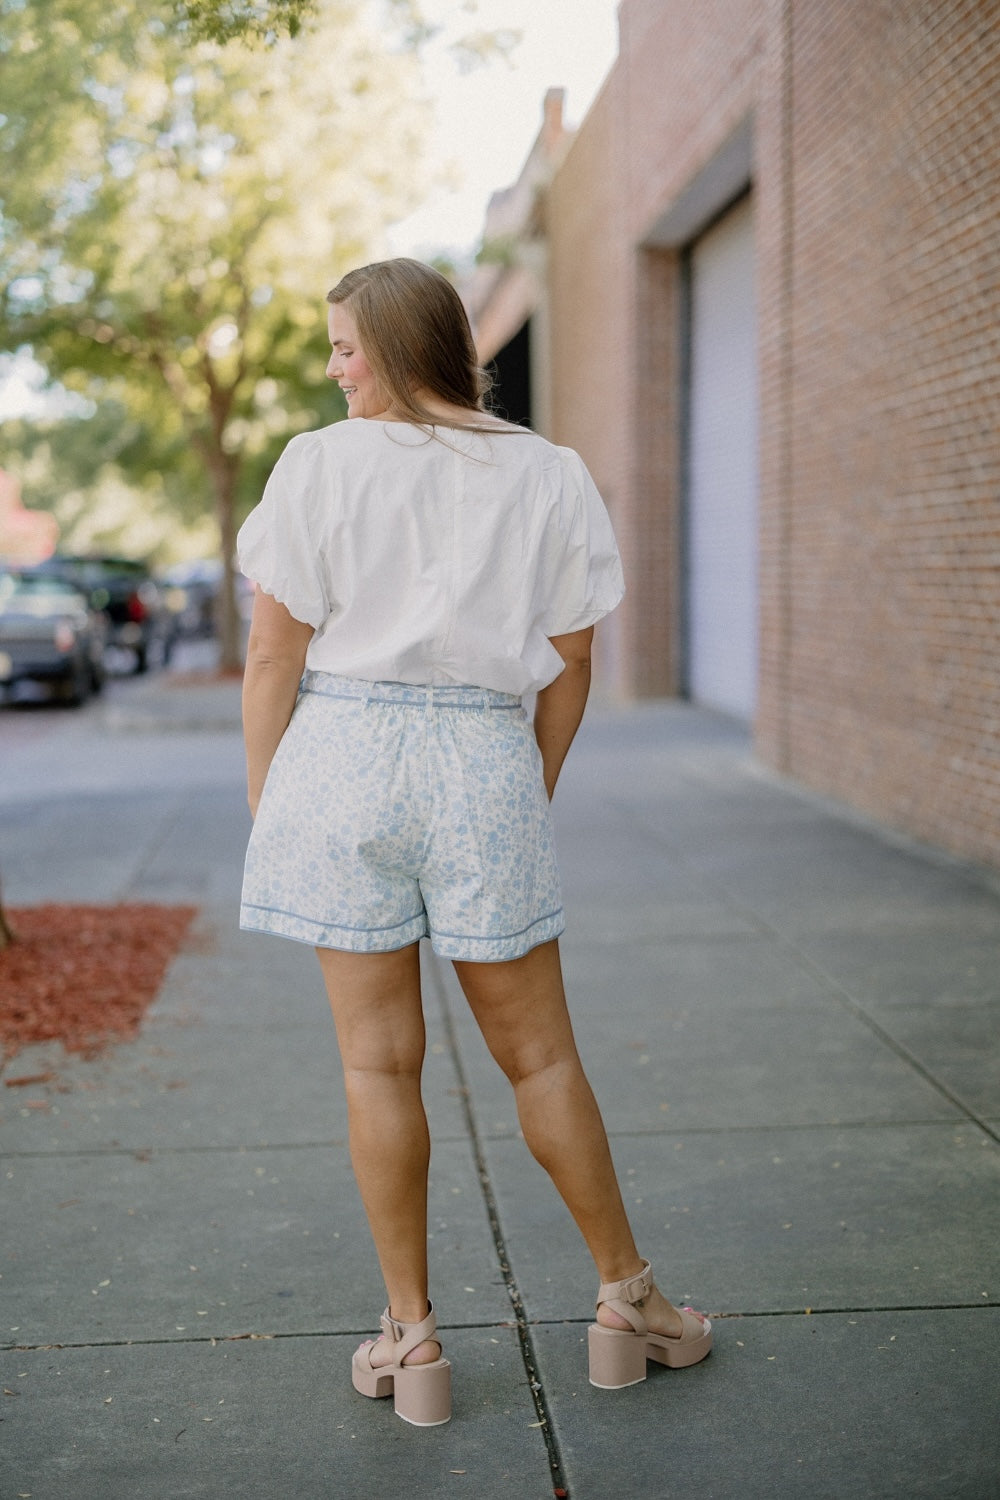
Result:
{"points": [[420, 695]]}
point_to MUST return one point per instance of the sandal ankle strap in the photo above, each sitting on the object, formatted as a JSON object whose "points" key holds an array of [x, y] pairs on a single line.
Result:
{"points": [[633, 1289], [404, 1337], [621, 1297]]}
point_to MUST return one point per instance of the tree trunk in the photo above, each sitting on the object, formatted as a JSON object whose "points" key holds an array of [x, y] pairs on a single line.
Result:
{"points": [[224, 468], [230, 622], [6, 931]]}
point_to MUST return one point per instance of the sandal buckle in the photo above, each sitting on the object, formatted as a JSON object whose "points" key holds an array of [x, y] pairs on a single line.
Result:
{"points": [[635, 1288]]}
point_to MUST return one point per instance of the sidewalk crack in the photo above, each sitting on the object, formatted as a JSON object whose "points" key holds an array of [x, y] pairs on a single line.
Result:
{"points": [[149, 851], [528, 1355], [839, 991]]}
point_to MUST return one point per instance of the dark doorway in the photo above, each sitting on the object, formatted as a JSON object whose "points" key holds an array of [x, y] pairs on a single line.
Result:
{"points": [[511, 372]]}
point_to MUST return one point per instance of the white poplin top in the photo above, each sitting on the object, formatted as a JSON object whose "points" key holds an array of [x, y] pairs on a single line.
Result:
{"points": [[447, 559]]}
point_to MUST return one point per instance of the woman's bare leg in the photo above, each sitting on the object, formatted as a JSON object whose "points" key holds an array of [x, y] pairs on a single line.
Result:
{"points": [[520, 1007], [376, 1004]]}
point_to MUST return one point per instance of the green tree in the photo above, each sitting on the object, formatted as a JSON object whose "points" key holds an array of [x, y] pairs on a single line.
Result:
{"points": [[115, 481], [173, 211], [229, 20]]}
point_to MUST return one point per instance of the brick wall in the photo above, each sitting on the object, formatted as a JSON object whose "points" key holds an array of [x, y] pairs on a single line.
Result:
{"points": [[615, 299], [892, 693], [877, 185]]}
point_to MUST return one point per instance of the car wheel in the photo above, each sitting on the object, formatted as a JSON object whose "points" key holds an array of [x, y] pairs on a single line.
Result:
{"points": [[77, 688]]}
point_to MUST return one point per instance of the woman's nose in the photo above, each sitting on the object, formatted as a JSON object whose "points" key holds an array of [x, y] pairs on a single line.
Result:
{"points": [[332, 367]]}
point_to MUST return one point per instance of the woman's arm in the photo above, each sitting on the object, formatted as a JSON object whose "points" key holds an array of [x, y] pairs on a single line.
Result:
{"points": [[559, 707], [276, 654]]}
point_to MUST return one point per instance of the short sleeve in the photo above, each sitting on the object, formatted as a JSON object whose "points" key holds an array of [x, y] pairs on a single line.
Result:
{"points": [[581, 577], [275, 546]]}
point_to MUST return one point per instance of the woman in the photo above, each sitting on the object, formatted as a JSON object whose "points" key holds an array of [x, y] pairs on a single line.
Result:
{"points": [[418, 568]]}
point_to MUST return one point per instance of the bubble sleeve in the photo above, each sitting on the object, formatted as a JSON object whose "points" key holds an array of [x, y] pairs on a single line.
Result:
{"points": [[276, 546], [580, 572]]}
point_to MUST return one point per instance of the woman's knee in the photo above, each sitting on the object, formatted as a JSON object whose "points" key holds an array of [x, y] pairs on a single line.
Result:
{"points": [[535, 1060], [378, 1052], [520, 1008]]}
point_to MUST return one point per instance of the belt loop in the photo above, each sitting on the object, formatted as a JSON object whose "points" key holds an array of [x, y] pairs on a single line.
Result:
{"points": [[429, 700]]}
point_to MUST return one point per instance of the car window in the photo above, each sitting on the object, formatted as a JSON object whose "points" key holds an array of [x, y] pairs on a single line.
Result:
{"points": [[37, 595], [90, 571]]}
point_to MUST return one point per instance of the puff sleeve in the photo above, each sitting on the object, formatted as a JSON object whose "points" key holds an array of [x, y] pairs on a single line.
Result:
{"points": [[276, 546], [580, 578]]}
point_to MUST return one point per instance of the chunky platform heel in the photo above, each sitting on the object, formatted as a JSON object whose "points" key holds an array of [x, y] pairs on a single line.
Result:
{"points": [[421, 1393], [618, 1356]]}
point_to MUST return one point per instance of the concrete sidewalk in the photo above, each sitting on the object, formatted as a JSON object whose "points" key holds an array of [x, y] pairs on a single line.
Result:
{"points": [[791, 1023]]}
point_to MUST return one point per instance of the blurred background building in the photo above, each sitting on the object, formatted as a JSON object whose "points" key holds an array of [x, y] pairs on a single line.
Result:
{"points": [[759, 291]]}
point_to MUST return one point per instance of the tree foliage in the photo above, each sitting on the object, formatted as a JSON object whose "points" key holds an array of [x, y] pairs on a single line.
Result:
{"points": [[173, 211], [231, 20]]}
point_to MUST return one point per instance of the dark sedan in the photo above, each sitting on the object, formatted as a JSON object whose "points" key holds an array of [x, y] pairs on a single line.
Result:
{"points": [[49, 634], [124, 589]]}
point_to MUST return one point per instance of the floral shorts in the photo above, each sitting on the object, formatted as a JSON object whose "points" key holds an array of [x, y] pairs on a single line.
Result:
{"points": [[393, 813]]}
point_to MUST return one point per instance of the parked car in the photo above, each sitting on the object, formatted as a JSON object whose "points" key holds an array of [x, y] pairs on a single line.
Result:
{"points": [[191, 592], [49, 634], [124, 590]]}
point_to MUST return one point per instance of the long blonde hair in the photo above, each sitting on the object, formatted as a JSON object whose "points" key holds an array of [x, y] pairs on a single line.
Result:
{"points": [[415, 335]]}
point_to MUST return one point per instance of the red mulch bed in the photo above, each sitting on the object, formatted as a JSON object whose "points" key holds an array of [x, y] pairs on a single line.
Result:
{"points": [[84, 975]]}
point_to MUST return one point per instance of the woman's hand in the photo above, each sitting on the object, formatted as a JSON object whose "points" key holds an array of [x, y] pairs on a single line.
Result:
{"points": [[559, 707], [276, 654]]}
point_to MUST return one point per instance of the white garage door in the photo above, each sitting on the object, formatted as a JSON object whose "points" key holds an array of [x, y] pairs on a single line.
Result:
{"points": [[721, 517]]}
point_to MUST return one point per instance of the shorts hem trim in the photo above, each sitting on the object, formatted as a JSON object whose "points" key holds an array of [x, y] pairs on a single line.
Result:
{"points": [[491, 950], [465, 948], [331, 934]]}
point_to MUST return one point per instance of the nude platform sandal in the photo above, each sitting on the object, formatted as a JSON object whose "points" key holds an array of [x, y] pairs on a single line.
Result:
{"points": [[421, 1393], [618, 1357]]}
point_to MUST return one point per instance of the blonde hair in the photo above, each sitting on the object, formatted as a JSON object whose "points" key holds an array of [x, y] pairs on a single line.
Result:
{"points": [[415, 335]]}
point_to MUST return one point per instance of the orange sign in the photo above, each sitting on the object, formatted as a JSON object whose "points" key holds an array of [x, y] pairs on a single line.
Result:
{"points": [[26, 536]]}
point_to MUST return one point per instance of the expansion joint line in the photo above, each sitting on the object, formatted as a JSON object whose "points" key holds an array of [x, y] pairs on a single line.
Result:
{"points": [[510, 1282], [148, 854], [839, 991]]}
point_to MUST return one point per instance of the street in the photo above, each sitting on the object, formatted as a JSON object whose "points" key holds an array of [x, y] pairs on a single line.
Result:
{"points": [[51, 750]]}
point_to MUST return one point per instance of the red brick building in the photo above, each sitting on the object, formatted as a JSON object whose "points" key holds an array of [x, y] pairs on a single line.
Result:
{"points": [[759, 290]]}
